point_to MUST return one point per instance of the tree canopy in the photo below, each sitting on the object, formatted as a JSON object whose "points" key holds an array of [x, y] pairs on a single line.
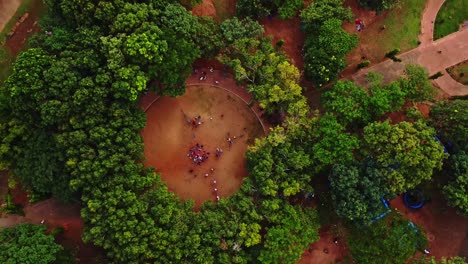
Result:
{"points": [[357, 190], [391, 240], [407, 153], [27, 244]]}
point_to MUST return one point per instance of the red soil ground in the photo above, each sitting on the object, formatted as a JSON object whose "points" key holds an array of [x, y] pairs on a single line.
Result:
{"points": [[168, 139], [325, 251], [447, 231], [399, 116], [290, 31], [25, 30]]}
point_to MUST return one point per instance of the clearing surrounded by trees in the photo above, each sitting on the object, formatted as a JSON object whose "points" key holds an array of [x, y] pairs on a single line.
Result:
{"points": [[233, 131]]}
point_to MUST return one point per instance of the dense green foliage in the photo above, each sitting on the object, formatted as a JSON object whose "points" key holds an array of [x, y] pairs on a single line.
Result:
{"points": [[357, 190], [355, 106], [391, 240], [268, 74], [407, 152], [27, 244], [349, 102], [443, 260], [450, 118], [378, 5], [327, 43], [416, 84], [70, 128], [457, 189], [317, 12], [260, 8]]}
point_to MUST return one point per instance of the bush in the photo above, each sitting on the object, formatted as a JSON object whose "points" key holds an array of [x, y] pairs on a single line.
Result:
{"points": [[392, 53], [363, 64], [435, 76]]}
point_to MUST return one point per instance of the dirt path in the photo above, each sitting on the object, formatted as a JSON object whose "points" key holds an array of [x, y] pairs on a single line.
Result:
{"points": [[435, 56], [7, 10]]}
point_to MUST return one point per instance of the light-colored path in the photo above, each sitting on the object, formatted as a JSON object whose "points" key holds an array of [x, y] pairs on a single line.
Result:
{"points": [[7, 10], [435, 56], [427, 21]]}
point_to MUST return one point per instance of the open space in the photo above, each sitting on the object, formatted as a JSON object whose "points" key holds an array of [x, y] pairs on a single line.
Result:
{"points": [[169, 138], [272, 194]]}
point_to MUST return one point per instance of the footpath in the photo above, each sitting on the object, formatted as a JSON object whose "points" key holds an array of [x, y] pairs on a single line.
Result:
{"points": [[435, 56]]}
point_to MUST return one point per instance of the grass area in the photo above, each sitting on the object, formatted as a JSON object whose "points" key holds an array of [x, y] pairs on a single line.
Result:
{"points": [[397, 28], [402, 26], [450, 16], [459, 72]]}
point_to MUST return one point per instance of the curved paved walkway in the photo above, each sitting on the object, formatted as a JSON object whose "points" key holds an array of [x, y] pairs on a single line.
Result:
{"points": [[435, 56]]}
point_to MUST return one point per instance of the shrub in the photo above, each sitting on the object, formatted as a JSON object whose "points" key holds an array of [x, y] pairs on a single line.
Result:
{"points": [[435, 76], [363, 64]]}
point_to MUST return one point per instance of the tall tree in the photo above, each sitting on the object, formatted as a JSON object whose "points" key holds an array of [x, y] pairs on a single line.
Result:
{"points": [[407, 153], [391, 240], [349, 102], [27, 244], [455, 191], [357, 190], [325, 51], [450, 118]]}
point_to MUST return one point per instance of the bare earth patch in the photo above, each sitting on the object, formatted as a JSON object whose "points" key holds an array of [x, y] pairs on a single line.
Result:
{"points": [[168, 139]]}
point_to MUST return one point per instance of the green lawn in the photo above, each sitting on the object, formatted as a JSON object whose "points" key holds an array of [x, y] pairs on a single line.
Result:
{"points": [[459, 72], [450, 16], [402, 26]]}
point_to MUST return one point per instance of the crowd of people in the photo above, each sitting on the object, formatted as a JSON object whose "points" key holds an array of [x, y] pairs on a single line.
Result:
{"points": [[197, 154]]}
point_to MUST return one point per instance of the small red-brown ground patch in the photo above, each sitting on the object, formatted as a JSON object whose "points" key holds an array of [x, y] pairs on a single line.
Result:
{"points": [[25, 29], [220, 10], [168, 138], [288, 30], [447, 231], [325, 251], [400, 116]]}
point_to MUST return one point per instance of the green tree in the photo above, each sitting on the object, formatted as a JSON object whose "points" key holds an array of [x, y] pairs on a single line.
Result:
{"points": [[384, 98], [357, 190], [331, 143], [286, 242], [27, 243], [391, 240], [450, 118], [407, 153], [443, 260], [349, 102], [325, 52], [234, 29], [455, 191], [317, 12], [259, 8], [416, 84], [378, 5]]}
